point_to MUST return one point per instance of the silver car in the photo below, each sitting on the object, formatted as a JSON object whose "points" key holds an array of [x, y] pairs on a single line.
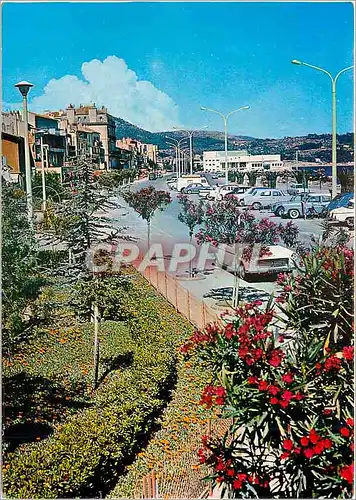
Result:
{"points": [[263, 198]]}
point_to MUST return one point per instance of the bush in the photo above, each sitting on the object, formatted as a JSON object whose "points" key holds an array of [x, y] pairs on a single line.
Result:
{"points": [[87, 452], [291, 394]]}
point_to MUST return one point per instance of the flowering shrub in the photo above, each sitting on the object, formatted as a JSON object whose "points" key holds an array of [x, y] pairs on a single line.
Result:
{"points": [[290, 394]]}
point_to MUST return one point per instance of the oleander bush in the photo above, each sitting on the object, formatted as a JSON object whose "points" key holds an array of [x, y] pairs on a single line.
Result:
{"points": [[291, 394], [97, 433]]}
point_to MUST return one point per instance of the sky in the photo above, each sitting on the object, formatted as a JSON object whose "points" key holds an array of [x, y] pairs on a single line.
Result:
{"points": [[155, 64]]}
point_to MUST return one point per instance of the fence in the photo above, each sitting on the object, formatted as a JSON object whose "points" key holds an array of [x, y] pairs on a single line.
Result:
{"points": [[196, 311], [179, 476]]}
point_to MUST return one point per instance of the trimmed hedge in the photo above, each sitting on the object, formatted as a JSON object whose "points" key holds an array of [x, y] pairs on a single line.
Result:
{"points": [[90, 449]]}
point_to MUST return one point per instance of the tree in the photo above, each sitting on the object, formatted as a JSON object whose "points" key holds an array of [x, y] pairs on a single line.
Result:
{"points": [[21, 277], [271, 178], [82, 227], [252, 178], [146, 202], [226, 223], [191, 215], [346, 179]]}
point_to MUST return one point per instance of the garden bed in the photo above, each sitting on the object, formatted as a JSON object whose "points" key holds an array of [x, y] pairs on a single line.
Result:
{"points": [[86, 438]]}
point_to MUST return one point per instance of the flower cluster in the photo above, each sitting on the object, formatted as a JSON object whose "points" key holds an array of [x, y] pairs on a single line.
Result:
{"points": [[206, 336], [309, 446], [284, 396], [226, 470], [213, 394]]}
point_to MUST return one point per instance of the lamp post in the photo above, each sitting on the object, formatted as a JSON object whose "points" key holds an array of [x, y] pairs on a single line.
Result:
{"points": [[24, 88], [177, 144], [190, 135], [43, 147], [225, 118], [333, 94]]}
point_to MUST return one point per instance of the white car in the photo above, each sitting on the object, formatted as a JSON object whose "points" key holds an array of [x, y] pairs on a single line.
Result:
{"points": [[278, 260], [221, 191], [344, 215], [263, 198], [185, 180]]}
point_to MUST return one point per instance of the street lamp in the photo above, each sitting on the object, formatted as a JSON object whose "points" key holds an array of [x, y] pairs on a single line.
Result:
{"points": [[225, 118], [24, 88], [43, 147], [177, 145], [333, 90], [190, 135]]}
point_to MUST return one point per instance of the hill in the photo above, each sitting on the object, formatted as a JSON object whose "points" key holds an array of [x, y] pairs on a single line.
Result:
{"points": [[310, 147]]}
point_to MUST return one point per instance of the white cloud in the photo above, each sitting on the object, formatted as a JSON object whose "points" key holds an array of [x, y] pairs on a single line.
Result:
{"points": [[112, 84]]}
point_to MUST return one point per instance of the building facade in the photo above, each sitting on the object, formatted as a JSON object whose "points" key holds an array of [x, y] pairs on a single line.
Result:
{"points": [[97, 120], [214, 161], [140, 152]]}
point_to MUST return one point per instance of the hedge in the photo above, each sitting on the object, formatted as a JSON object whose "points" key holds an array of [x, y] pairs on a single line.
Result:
{"points": [[90, 449]]}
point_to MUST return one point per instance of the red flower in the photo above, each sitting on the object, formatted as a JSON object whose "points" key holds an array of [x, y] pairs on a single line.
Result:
{"points": [[263, 385], [274, 390], [273, 401], [220, 466], [276, 358], [327, 443], [220, 391], [297, 450], [309, 452], [350, 422], [287, 395], [230, 472], [304, 441], [348, 353], [327, 411], [332, 363], [288, 378], [344, 431], [288, 444], [242, 476], [284, 404], [237, 485], [252, 380], [285, 455], [220, 401], [299, 396], [314, 436], [347, 473]]}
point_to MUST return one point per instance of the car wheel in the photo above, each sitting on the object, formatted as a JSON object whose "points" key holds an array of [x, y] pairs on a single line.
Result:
{"points": [[241, 203], [294, 213], [188, 192], [256, 205], [280, 212], [350, 222]]}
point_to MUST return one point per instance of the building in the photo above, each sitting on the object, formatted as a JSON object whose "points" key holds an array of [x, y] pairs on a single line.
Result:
{"points": [[214, 161], [81, 139], [141, 153], [13, 146], [97, 120], [54, 143]]}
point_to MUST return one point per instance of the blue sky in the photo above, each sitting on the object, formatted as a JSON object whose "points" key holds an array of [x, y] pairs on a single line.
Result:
{"points": [[220, 55]]}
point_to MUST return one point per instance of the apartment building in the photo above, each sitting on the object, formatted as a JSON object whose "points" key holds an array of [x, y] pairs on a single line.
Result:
{"points": [[97, 120], [140, 151], [214, 161]]}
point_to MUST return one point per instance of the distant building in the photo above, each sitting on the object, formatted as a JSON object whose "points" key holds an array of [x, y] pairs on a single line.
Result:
{"points": [[13, 146], [214, 161], [140, 151], [98, 120]]}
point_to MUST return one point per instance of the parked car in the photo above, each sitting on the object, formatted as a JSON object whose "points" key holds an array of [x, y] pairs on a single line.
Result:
{"points": [[263, 198], [299, 205], [222, 190], [278, 260], [341, 200], [185, 180], [344, 215], [195, 188], [206, 192], [297, 189], [237, 192]]}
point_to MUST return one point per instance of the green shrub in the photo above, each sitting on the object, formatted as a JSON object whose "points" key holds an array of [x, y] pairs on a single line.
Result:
{"points": [[90, 449]]}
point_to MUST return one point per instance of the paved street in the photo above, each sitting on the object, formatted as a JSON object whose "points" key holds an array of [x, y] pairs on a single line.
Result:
{"points": [[167, 230]]}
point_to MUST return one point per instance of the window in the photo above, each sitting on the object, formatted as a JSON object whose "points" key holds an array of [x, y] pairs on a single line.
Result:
{"points": [[266, 193], [276, 193]]}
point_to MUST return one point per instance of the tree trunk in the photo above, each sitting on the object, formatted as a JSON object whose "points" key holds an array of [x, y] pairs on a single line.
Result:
{"points": [[96, 346], [148, 235]]}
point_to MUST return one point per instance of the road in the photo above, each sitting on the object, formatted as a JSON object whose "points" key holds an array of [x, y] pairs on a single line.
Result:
{"points": [[167, 230]]}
